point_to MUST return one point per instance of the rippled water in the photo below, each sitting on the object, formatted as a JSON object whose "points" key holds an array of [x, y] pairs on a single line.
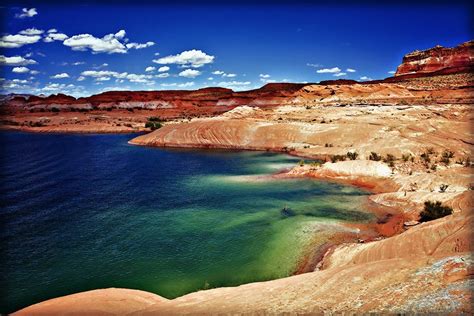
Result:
{"points": [[81, 212]]}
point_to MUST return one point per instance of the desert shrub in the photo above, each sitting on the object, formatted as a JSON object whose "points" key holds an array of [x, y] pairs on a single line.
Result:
{"points": [[430, 151], [434, 167], [352, 155], [54, 110], [425, 157], [153, 125], [446, 156], [328, 145], [336, 158], [407, 157], [434, 210], [443, 187], [375, 157], [301, 163]]}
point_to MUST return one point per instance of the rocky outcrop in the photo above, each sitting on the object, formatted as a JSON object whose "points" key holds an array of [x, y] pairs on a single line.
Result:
{"points": [[438, 59]]}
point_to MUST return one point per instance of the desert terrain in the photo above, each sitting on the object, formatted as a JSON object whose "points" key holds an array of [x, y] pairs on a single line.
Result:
{"points": [[407, 138]]}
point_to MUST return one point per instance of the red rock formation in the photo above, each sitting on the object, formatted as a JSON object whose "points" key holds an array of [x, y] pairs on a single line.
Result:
{"points": [[439, 58]]}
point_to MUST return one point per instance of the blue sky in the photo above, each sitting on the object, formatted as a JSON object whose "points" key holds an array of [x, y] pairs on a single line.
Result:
{"points": [[83, 50]]}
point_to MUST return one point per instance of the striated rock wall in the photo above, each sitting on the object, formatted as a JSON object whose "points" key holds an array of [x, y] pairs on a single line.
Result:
{"points": [[439, 58]]}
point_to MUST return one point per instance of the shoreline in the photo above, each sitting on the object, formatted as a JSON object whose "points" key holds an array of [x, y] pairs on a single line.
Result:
{"points": [[320, 260]]}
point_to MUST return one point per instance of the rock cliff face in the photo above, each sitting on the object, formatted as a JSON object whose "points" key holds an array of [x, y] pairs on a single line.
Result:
{"points": [[438, 59]]}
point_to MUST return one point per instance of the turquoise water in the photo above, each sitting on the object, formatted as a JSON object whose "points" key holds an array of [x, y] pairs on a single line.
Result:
{"points": [[82, 212]]}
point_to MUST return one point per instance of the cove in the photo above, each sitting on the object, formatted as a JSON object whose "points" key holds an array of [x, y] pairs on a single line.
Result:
{"points": [[82, 212]]}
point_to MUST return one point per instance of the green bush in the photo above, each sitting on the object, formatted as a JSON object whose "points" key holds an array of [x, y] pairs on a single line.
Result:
{"points": [[434, 210], [153, 125]]}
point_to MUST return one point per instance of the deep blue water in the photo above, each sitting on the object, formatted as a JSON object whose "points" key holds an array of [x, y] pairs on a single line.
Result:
{"points": [[81, 212]]}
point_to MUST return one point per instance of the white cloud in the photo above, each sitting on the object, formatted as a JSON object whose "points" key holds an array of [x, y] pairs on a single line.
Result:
{"points": [[264, 76], [77, 63], [34, 72], [329, 70], [137, 78], [103, 79], [139, 46], [60, 76], [32, 31], [391, 72], [314, 65], [16, 61], [110, 43], [234, 83], [27, 13], [339, 74], [189, 73], [210, 78], [148, 69], [229, 75], [18, 40], [163, 69], [120, 34], [52, 31], [20, 70], [156, 54], [191, 58], [180, 85], [163, 75], [365, 78], [51, 37], [350, 70], [81, 78], [218, 72]]}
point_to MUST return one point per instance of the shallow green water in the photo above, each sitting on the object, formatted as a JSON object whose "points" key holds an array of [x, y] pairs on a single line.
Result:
{"points": [[90, 211]]}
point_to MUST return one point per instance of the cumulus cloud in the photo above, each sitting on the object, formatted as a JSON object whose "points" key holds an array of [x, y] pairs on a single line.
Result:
{"points": [[110, 43], [81, 78], [139, 46], [137, 78], [60, 76], [77, 63], [328, 70], [18, 40], [264, 76], [16, 61], [27, 13], [339, 74], [163, 75], [54, 36], [20, 70], [148, 69], [365, 78], [210, 78], [190, 58], [391, 72], [350, 70], [32, 31], [229, 75], [34, 72], [218, 72], [189, 73], [163, 69]]}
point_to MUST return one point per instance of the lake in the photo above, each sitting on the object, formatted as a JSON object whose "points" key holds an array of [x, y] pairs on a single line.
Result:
{"points": [[82, 212]]}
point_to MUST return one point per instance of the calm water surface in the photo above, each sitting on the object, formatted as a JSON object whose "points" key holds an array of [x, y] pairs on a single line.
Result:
{"points": [[82, 212]]}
